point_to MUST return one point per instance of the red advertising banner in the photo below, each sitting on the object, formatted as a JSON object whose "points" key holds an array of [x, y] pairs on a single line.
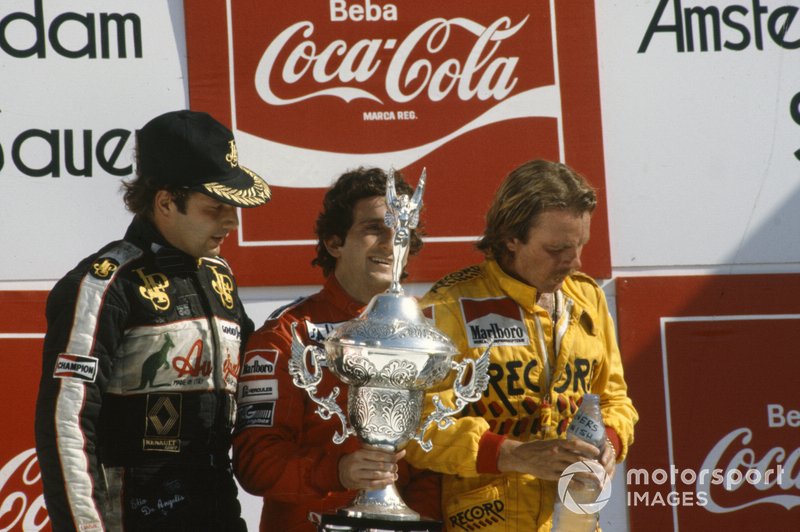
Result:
{"points": [[712, 365], [22, 328], [467, 90]]}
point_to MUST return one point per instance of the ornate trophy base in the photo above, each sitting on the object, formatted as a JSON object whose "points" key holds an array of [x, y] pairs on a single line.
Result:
{"points": [[344, 523], [380, 504]]}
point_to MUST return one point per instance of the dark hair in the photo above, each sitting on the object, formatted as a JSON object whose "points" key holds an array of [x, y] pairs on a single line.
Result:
{"points": [[527, 191], [336, 217], [140, 192]]}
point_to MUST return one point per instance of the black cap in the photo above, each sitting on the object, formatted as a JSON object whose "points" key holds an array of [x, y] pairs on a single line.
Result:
{"points": [[192, 150]]}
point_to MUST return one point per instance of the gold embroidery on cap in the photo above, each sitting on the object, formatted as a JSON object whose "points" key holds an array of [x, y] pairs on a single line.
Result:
{"points": [[256, 195], [233, 156]]}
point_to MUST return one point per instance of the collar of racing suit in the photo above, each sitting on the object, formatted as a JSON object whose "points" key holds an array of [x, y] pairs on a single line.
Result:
{"points": [[170, 260], [341, 298]]}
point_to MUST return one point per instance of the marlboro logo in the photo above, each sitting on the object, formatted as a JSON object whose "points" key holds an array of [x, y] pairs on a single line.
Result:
{"points": [[400, 78], [259, 363], [499, 320], [75, 367]]}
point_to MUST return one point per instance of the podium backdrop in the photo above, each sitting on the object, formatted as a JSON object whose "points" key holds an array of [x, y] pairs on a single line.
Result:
{"points": [[685, 115]]}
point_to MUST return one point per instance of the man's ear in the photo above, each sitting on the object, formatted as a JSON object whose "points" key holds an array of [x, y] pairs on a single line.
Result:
{"points": [[334, 246], [162, 203], [512, 244]]}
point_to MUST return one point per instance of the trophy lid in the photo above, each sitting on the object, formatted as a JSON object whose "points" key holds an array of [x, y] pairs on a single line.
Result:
{"points": [[393, 322]]}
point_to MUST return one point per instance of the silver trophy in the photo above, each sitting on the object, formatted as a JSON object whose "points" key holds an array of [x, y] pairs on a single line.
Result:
{"points": [[389, 356]]}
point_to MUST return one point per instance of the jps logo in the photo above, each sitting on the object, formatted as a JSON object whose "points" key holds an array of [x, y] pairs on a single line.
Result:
{"points": [[153, 288], [223, 285], [103, 268]]}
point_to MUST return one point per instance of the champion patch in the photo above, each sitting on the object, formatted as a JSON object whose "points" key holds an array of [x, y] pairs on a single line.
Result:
{"points": [[77, 367], [496, 319]]}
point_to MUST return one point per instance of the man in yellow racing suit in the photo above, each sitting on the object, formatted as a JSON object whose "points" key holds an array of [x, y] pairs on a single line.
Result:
{"points": [[553, 341]]}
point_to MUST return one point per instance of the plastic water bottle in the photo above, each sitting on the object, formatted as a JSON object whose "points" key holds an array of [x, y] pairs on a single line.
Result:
{"points": [[587, 425]]}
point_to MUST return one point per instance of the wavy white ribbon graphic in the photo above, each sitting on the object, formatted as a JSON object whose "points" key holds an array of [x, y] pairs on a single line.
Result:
{"points": [[292, 166]]}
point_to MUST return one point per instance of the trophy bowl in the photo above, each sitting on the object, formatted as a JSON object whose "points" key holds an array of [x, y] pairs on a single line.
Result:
{"points": [[388, 356]]}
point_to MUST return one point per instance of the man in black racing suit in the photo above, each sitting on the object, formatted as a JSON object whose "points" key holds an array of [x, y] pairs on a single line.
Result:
{"points": [[141, 357]]}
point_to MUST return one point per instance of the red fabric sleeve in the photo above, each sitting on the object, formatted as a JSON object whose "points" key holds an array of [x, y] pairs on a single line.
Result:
{"points": [[488, 451], [294, 459]]}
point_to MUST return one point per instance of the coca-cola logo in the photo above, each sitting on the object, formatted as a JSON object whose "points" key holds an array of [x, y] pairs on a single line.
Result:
{"points": [[754, 474], [312, 90], [400, 81], [482, 73], [738, 472], [21, 500]]}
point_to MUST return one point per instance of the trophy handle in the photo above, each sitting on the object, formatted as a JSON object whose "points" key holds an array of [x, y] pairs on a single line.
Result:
{"points": [[308, 381], [467, 392]]}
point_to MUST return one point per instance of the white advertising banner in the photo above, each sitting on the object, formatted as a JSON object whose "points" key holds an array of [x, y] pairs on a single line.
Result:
{"points": [[77, 78], [701, 126]]}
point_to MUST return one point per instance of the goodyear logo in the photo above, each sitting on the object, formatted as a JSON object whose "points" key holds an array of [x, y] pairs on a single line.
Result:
{"points": [[232, 331], [75, 367]]}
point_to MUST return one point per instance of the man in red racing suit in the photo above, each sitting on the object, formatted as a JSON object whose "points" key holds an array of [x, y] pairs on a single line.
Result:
{"points": [[283, 450]]}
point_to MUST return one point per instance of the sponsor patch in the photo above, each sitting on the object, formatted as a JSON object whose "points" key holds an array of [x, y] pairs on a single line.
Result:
{"points": [[318, 332], [75, 367], [259, 363], [494, 319], [258, 390], [154, 289], [255, 415], [479, 516], [163, 422], [231, 331], [223, 286], [104, 267]]}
